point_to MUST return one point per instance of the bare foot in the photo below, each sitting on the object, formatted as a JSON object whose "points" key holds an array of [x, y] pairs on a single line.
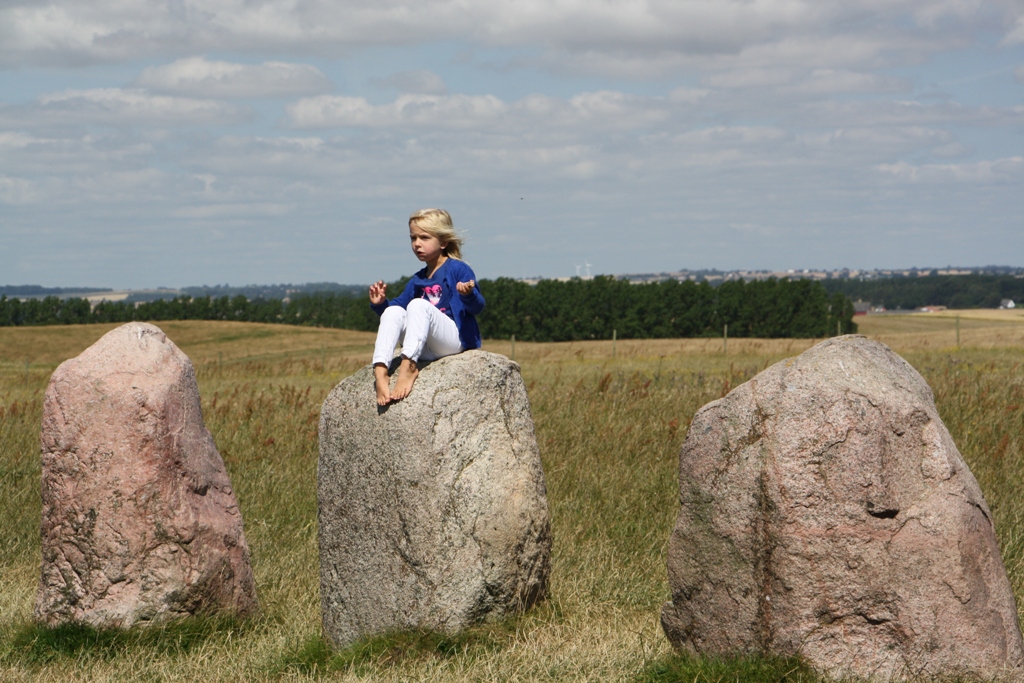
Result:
{"points": [[407, 374], [382, 383]]}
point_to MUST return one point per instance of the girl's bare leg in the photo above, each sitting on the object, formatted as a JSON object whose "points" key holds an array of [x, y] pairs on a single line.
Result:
{"points": [[382, 383], [407, 374]]}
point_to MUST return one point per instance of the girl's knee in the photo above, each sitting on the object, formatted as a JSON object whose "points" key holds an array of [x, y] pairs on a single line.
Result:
{"points": [[419, 306], [393, 313]]}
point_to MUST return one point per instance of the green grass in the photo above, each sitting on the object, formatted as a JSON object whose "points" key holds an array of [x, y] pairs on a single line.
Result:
{"points": [[390, 650], [34, 645], [609, 432], [691, 669]]}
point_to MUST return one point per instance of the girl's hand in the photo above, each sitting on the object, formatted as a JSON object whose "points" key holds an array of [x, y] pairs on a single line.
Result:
{"points": [[378, 292], [465, 287]]}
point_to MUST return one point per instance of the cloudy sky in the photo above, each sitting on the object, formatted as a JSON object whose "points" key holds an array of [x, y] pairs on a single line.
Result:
{"points": [[176, 142]]}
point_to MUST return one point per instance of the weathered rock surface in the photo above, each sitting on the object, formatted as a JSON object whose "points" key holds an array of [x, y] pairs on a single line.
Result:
{"points": [[433, 511], [826, 512], [139, 520]]}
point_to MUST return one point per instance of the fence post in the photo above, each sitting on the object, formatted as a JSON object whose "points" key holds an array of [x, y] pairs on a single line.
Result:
{"points": [[725, 340], [513, 347], [614, 332], [839, 328]]}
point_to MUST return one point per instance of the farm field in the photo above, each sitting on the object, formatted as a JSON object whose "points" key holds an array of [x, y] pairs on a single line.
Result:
{"points": [[610, 419]]}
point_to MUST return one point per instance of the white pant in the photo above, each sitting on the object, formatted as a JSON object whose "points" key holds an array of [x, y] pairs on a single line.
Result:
{"points": [[422, 330]]}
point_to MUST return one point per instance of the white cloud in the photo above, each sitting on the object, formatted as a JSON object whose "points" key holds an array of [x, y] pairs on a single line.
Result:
{"points": [[467, 141], [608, 37], [864, 114], [420, 82], [751, 78], [233, 210], [328, 111], [120, 106], [55, 157], [668, 180], [17, 191], [200, 77], [11, 140], [1015, 36], [999, 171], [122, 185], [755, 114], [831, 81], [603, 109], [952, 150], [733, 136], [895, 139], [803, 80], [687, 95]]}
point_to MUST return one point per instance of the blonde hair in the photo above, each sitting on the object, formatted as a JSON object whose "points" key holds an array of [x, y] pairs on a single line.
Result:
{"points": [[438, 223]]}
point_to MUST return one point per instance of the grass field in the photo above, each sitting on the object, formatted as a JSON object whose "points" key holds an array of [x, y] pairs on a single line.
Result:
{"points": [[610, 420]]}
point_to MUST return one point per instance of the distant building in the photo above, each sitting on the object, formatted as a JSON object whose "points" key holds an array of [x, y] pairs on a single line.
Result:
{"points": [[862, 307], [931, 309], [1007, 303]]}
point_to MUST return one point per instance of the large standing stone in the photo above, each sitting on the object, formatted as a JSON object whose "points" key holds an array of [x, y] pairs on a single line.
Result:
{"points": [[826, 512], [139, 519], [433, 511]]}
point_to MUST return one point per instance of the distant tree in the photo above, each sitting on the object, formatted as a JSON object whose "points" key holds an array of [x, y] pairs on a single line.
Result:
{"points": [[954, 291]]}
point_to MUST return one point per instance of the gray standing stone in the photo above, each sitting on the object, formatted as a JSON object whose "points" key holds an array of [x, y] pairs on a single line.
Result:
{"points": [[827, 513], [139, 520], [433, 512]]}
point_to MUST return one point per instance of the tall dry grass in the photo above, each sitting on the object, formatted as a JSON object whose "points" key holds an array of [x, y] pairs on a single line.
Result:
{"points": [[609, 430]]}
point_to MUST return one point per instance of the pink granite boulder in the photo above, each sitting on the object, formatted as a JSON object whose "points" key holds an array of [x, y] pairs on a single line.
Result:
{"points": [[827, 513], [139, 522]]}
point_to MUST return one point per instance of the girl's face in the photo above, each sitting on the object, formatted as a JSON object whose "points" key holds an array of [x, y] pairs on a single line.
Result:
{"points": [[426, 247]]}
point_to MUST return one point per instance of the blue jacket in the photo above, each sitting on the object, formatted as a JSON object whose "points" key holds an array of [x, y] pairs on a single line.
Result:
{"points": [[464, 307]]}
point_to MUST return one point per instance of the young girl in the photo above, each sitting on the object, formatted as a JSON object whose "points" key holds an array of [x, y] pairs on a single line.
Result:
{"points": [[436, 314]]}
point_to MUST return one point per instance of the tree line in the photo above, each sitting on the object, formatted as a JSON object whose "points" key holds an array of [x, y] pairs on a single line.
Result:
{"points": [[579, 309], [551, 310], [952, 291], [319, 310]]}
